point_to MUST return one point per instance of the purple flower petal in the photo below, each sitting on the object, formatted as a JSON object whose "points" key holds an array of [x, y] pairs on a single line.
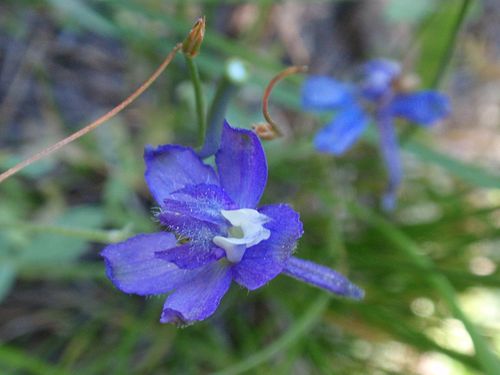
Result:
{"points": [[242, 166], [324, 93], [266, 260], [342, 132], [322, 277], [199, 248], [424, 107], [133, 268], [188, 228], [192, 255], [199, 298], [170, 168], [199, 202], [194, 213], [390, 152]]}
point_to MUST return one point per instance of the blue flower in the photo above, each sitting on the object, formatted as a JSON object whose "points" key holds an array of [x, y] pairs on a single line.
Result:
{"points": [[376, 97], [220, 235]]}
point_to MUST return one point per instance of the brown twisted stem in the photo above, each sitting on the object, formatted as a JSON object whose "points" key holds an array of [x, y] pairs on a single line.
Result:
{"points": [[49, 150], [267, 93]]}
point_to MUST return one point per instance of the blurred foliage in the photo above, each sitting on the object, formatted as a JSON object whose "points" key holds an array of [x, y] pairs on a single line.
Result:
{"points": [[420, 267]]}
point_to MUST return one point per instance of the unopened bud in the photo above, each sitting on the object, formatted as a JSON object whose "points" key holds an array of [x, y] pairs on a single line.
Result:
{"points": [[191, 45], [265, 131]]}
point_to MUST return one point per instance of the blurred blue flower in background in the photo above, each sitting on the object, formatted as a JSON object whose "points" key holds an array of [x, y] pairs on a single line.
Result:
{"points": [[381, 97], [221, 235]]}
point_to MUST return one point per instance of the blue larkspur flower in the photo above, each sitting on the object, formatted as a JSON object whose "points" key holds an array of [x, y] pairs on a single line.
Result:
{"points": [[375, 98], [220, 234]]}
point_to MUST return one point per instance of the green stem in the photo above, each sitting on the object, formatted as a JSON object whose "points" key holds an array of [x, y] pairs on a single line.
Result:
{"points": [[216, 114], [199, 98], [486, 358], [235, 73], [298, 330], [94, 235]]}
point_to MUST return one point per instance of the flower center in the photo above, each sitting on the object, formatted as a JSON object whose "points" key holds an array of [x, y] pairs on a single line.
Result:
{"points": [[247, 230]]}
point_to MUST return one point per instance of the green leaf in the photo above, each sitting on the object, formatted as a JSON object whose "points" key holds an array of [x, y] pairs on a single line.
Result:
{"points": [[310, 317], [470, 173], [437, 40], [7, 278], [18, 360], [54, 248], [84, 15], [467, 172], [487, 358]]}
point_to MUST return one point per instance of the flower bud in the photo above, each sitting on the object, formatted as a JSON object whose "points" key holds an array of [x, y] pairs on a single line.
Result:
{"points": [[264, 131], [192, 43]]}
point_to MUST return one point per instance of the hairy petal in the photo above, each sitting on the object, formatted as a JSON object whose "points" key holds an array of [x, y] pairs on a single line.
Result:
{"points": [[423, 107], [324, 93], [322, 277], [191, 255], [264, 261], [188, 228], [242, 166], [133, 267], [194, 214], [171, 167], [340, 134], [199, 248], [199, 298], [201, 202]]}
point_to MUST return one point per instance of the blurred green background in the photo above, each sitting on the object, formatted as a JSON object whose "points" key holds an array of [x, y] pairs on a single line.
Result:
{"points": [[429, 269]]}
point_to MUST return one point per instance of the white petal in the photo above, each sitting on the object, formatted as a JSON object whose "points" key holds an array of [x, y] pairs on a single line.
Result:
{"points": [[251, 224]]}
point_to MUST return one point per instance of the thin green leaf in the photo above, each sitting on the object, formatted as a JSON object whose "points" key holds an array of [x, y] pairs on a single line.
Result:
{"points": [[19, 360], [467, 172], [7, 278], [294, 333], [84, 15], [489, 362]]}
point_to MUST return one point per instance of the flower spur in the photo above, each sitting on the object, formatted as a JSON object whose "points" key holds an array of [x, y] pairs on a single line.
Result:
{"points": [[220, 235], [381, 91]]}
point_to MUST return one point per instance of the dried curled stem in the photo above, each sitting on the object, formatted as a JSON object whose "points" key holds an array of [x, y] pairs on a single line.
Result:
{"points": [[271, 130], [49, 150]]}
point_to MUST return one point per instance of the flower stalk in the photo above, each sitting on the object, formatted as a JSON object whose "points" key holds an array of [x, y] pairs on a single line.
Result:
{"points": [[198, 96], [235, 74]]}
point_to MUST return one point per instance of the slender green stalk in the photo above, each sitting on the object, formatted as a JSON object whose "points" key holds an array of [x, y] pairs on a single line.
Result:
{"points": [[199, 98], [489, 362], [95, 235], [72, 271], [235, 73], [294, 333], [216, 114]]}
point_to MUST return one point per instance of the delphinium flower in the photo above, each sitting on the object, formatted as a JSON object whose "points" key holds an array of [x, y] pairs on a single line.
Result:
{"points": [[381, 96], [216, 232]]}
